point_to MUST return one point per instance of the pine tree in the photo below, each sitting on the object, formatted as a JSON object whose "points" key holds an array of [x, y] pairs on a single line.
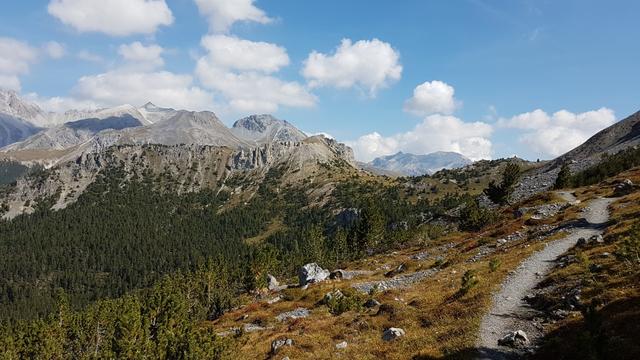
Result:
{"points": [[564, 177], [499, 193], [315, 240], [370, 229]]}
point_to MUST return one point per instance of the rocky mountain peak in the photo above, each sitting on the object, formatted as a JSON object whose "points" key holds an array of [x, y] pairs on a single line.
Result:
{"points": [[258, 123], [264, 129], [12, 104], [150, 106]]}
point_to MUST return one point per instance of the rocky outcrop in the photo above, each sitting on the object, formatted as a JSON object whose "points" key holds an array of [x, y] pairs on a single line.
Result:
{"points": [[312, 273]]}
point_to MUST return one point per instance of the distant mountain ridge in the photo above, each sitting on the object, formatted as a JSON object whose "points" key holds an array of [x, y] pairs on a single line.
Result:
{"points": [[415, 165]]}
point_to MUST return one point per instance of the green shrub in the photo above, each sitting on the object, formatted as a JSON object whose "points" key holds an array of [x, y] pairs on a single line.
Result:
{"points": [[499, 193], [474, 218], [469, 281], [564, 178], [494, 265], [350, 300]]}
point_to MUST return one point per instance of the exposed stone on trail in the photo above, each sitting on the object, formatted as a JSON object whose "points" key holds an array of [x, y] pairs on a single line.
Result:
{"points": [[597, 239], [341, 345], [294, 314], [516, 339], [312, 273], [396, 282], [392, 334], [276, 345]]}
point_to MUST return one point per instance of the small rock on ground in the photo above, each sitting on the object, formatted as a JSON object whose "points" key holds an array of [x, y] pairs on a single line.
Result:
{"points": [[294, 314], [392, 334]]}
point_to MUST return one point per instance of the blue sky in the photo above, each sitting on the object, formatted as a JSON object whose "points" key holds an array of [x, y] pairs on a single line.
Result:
{"points": [[500, 78]]}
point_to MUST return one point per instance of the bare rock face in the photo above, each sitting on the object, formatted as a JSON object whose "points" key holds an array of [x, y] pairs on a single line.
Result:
{"points": [[312, 273], [391, 334]]}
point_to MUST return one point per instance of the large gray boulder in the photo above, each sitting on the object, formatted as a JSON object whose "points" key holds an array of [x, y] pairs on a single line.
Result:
{"points": [[312, 273]]}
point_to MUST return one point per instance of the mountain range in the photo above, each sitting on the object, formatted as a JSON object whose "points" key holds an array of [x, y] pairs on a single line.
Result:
{"points": [[78, 145], [407, 164]]}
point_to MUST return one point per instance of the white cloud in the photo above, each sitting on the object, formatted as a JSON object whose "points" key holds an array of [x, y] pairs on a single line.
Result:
{"points": [[55, 50], [553, 135], [367, 64], [252, 91], [163, 88], [60, 104], [222, 14], [435, 97], [233, 53], [89, 56], [242, 72], [113, 17], [140, 56], [434, 133], [15, 60], [10, 82]]}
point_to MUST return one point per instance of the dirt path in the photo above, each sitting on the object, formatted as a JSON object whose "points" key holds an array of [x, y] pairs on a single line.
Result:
{"points": [[567, 196], [509, 312]]}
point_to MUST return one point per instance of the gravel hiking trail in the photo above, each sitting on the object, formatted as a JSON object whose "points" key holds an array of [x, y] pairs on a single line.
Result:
{"points": [[509, 312]]}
